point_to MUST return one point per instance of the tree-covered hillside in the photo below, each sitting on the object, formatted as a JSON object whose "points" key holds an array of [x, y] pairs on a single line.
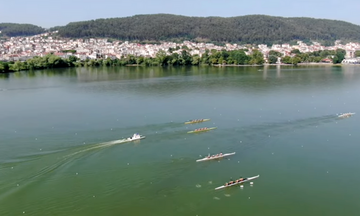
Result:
{"points": [[242, 29], [14, 29]]}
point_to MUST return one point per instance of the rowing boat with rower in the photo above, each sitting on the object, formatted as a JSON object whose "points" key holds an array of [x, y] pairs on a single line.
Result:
{"points": [[196, 121], [213, 157], [202, 130], [232, 183]]}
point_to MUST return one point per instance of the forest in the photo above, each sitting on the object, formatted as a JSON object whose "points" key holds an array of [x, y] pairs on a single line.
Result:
{"points": [[250, 29], [253, 29], [14, 29]]}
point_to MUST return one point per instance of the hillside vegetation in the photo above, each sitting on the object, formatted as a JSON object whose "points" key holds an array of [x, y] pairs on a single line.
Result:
{"points": [[242, 29], [14, 29]]}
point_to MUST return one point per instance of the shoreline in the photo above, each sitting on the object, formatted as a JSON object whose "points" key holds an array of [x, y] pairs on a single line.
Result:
{"points": [[217, 65], [301, 64]]}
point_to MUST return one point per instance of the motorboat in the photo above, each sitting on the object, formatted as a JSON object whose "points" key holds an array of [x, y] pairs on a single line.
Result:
{"points": [[135, 137]]}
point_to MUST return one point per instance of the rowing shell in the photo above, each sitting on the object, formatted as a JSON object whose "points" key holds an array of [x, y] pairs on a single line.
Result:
{"points": [[194, 121], [213, 158], [248, 179], [202, 130]]}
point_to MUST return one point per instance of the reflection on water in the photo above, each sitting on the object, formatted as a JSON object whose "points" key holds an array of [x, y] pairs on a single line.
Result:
{"points": [[88, 74], [215, 77]]}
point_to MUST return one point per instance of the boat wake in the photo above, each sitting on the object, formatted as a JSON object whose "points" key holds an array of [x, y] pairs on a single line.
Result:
{"points": [[31, 162], [290, 125], [249, 135]]}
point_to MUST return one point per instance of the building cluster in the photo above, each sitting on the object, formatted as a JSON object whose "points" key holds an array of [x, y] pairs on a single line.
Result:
{"points": [[23, 48]]}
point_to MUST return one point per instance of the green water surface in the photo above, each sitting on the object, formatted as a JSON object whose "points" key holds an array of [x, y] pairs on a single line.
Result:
{"points": [[57, 156]]}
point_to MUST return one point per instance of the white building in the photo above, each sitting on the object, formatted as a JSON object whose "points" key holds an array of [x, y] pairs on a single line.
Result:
{"points": [[351, 61]]}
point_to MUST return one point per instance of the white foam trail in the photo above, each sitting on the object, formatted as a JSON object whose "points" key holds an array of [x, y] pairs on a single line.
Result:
{"points": [[101, 145]]}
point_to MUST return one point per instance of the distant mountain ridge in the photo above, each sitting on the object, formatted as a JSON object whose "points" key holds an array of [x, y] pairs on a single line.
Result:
{"points": [[241, 29], [15, 29]]}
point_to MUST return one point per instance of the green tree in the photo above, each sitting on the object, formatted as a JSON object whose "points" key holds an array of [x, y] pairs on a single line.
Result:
{"points": [[304, 57], [257, 58], [205, 57], [195, 60], [239, 57], [273, 59], [175, 59], [72, 59], [185, 58], [339, 56], [357, 53], [54, 61], [295, 60], [17, 66], [185, 47], [275, 53], [295, 51], [139, 60], [161, 57], [2, 67], [221, 60], [286, 60]]}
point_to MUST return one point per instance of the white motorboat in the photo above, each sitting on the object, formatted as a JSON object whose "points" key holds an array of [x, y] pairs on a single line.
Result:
{"points": [[135, 137], [344, 115], [213, 157]]}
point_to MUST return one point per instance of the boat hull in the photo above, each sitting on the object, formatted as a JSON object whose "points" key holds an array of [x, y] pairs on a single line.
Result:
{"points": [[202, 130], [207, 159], [248, 179], [345, 115], [131, 140], [191, 122]]}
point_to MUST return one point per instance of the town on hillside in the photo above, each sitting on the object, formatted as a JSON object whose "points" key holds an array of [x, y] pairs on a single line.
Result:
{"points": [[24, 48]]}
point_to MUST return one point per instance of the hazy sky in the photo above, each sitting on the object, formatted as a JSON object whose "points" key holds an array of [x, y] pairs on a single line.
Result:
{"points": [[52, 13]]}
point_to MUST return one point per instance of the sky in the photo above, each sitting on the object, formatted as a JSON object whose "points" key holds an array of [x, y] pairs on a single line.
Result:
{"points": [[52, 13]]}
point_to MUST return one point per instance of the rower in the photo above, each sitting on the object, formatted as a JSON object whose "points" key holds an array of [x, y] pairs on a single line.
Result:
{"points": [[220, 154]]}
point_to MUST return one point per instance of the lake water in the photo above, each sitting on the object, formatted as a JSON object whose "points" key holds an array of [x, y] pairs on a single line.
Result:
{"points": [[57, 156]]}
